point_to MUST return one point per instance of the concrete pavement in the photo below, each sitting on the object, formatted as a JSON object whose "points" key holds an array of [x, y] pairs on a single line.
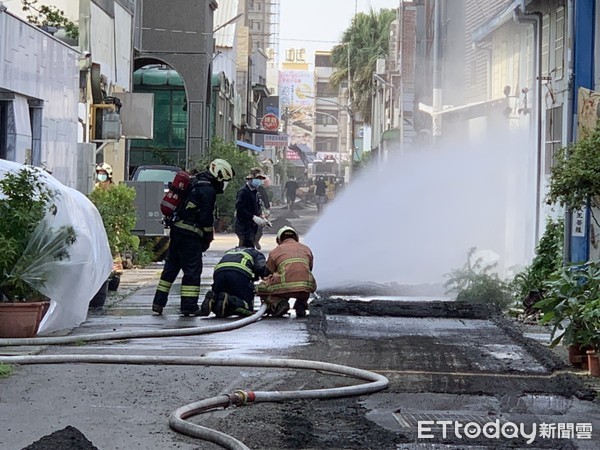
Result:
{"points": [[445, 362]]}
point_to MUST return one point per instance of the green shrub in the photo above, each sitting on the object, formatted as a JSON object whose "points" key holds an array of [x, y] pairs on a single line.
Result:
{"points": [[116, 207], [548, 259], [5, 370], [476, 282], [572, 305]]}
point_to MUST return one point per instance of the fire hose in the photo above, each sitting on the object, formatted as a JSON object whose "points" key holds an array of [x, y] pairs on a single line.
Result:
{"points": [[177, 420]]}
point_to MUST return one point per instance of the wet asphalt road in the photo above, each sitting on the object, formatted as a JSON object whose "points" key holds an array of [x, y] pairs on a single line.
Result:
{"points": [[444, 363]]}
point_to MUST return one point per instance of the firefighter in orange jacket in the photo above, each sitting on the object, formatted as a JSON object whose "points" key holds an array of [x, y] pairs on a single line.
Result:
{"points": [[290, 264]]}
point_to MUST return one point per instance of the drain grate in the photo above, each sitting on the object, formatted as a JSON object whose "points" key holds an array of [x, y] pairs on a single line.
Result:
{"points": [[410, 420]]}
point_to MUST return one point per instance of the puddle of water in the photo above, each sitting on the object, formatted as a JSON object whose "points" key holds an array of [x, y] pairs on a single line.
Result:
{"points": [[543, 404]]}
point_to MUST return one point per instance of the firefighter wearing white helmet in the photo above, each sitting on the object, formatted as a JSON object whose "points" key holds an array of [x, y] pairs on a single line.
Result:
{"points": [[290, 264], [104, 175], [192, 234]]}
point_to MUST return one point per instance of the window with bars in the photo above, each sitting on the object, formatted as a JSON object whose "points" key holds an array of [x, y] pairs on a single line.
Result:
{"points": [[553, 136], [545, 44], [559, 43]]}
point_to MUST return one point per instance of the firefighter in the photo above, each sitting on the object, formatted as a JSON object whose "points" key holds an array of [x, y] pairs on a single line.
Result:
{"points": [[104, 176], [233, 283], [290, 264], [248, 211], [191, 234]]}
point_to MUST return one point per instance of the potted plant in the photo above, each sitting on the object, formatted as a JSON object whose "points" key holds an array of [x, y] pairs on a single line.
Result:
{"points": [[589, 334], [31, 248], [572, 307], [115, 203]]}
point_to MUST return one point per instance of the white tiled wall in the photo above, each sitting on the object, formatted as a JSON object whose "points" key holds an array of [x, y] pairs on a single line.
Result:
{"points": [[34, 65]]}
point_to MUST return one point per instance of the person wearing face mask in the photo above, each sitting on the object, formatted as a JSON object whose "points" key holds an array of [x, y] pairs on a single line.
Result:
{"points": [[191, 234], [248, 210], [104, 173]]}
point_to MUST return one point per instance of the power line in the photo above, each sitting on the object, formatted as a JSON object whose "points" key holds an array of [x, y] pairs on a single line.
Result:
{"points": [[309, 40]]}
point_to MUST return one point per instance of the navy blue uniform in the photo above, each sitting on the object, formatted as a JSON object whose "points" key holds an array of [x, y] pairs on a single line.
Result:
{"points": [[246, 207], [233, 281], [191, 234]]}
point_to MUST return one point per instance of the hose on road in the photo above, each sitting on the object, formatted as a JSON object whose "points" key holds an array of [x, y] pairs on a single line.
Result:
{"points": [[140, 334], [177, 420]]}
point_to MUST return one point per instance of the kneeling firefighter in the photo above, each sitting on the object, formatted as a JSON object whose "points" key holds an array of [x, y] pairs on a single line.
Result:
{"points": [[233, 283], [290, 264], [191, 234]]}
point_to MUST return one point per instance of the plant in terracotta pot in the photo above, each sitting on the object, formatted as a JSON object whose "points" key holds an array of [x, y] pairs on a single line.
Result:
{"points": [[589, 334], [31, 248], [572, 308]]}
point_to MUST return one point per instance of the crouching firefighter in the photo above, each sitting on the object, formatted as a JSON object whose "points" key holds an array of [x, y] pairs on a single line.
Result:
{"points": [[233, 283], [290, 264], [191, 234]]}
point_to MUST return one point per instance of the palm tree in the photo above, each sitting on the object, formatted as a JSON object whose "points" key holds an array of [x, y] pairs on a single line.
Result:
{"points": [[368, 39]]}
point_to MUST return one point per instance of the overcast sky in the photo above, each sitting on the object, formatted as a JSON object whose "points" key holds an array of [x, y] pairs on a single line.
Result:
{"points": [[319, 24]]}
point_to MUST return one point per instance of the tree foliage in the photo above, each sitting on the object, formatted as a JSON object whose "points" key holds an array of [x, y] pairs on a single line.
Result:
{"points": [[575, 177], [366, 40], [48, 15]]}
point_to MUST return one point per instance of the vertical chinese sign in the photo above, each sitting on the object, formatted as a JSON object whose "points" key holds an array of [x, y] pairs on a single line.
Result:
{"points": [[297, 96]]}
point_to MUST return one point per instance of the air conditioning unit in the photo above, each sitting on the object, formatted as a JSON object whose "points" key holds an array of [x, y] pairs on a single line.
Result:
{"points": [[111, 125], [106, 123]]}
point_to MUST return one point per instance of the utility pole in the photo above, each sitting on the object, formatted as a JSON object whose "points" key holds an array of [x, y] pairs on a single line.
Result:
{"points": [[350, 120], [286, 122]]}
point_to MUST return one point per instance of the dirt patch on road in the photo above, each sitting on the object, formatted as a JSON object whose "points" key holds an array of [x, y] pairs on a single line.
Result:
{"points": [[68, 438]]}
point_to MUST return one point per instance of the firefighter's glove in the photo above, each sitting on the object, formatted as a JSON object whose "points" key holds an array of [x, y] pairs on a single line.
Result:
{"points": [[260, 221], [207, 238]]}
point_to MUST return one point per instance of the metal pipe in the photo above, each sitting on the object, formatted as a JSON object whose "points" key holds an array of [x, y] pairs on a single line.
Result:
{"points": [[535, 19], [568, 216]]}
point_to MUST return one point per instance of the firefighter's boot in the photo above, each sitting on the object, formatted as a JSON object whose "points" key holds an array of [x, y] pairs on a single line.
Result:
{"points": [[207, 304]]}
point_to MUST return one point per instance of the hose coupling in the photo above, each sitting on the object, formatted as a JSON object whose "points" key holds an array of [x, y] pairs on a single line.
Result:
{"points": [[240, 398]]}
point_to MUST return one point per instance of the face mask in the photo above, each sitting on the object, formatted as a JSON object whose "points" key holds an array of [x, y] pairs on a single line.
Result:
{"points": [[102, 177], [256, 182]]}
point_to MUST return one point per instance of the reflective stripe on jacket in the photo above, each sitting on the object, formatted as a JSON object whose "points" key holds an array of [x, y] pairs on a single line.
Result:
{"points": [[291, 264], [247, 260]]}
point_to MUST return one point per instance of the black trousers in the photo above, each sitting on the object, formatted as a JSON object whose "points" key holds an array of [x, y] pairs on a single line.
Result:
{"points": [[184, 253], [240, 290]]}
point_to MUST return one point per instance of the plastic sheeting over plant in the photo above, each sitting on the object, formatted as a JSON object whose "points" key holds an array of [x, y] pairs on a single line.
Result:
{"points": [[70, 282]]}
